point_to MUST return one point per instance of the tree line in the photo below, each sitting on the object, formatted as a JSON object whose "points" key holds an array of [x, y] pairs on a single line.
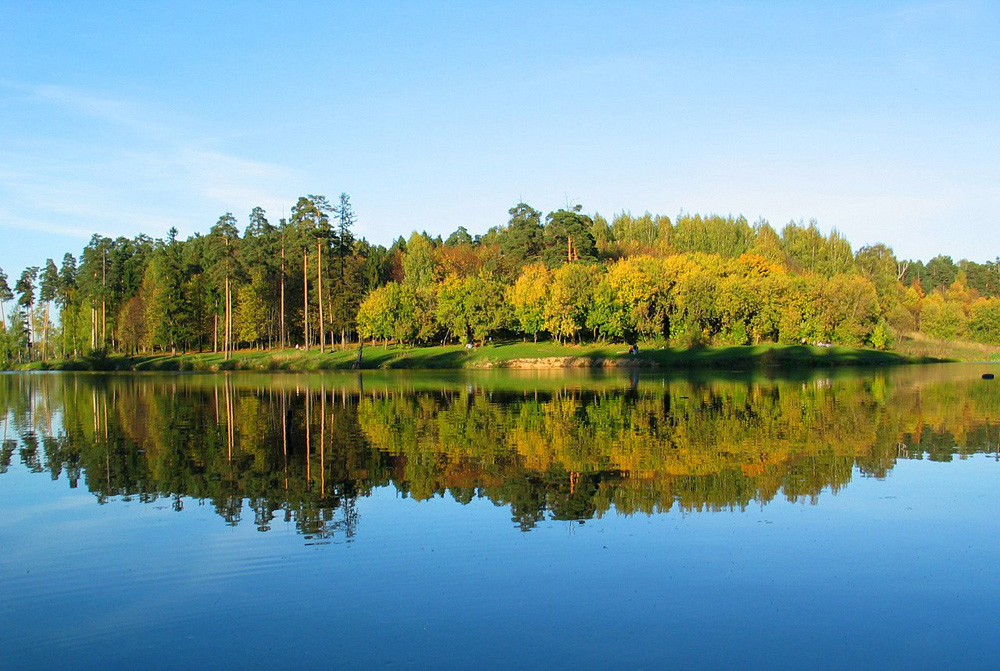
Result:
{"points": [[307, 281]]}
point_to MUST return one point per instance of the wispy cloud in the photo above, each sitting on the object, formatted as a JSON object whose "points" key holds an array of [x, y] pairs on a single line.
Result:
{"points": [[123, 114], [144, 174], [14, 222]]}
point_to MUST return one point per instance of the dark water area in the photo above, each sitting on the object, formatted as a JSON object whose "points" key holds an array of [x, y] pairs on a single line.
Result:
{"points": [[551, 519]]}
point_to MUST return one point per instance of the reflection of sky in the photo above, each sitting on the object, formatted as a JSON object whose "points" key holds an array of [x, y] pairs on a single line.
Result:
{"points": [[893, 573]]}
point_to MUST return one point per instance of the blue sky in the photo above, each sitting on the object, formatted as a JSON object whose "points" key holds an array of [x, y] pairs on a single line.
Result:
{"points": [[879, 119]]}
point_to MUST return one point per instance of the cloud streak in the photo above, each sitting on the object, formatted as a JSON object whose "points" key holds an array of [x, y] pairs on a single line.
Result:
{"points": [[149, 176]]}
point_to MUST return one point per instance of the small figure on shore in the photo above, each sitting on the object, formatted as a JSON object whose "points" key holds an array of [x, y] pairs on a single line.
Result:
{"points": [[357, 361]]}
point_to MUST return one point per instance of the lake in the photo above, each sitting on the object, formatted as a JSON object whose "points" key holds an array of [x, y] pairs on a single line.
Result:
{"points": [[556, 519]]}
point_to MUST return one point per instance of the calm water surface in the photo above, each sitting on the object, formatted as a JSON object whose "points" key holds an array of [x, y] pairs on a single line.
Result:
{"points": [[559, 520]]}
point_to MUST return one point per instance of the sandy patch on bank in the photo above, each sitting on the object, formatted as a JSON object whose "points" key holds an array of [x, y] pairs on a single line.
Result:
{"points": [[565, 362]]}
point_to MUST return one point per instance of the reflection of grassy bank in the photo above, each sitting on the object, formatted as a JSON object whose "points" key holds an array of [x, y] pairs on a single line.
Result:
{"points": [[503, 355]]}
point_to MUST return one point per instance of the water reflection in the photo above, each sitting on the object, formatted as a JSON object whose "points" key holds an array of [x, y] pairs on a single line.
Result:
{"points": [[304, 449]]}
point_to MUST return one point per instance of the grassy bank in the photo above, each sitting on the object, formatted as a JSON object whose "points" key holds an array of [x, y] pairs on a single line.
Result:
{"points": [[919, 345], [502, 355]]}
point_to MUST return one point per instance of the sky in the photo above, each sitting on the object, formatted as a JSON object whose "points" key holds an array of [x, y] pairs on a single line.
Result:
{"points": [[881, 120]]}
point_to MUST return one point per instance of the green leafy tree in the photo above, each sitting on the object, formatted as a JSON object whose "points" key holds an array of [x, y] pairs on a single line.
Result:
{"points": [[485, 305], [879, 265], [259, 226], [223, 269], [344, 239], [131, 329], [18, 344], [638, 235], [767, 243], [604, 238], [695, 314], [635, 297], [471, 308], [940, 272], [374, 266], [377, 313], [25, 287], [568, 237], [808, 249], [251, 310], [528, 297], [260, 258], [418, 263], [167, 307], [608, 317], [984, 320], [942, 318], [48, 292], [847, 309], [93, 283], [459, 237], [983, 277], [66, 299], [421, 303], [311, 225], [570, 299], [728, 237], [522, 240], [5, 295], [348, 283], [451, 310]]}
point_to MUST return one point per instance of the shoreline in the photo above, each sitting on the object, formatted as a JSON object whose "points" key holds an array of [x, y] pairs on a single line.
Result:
{"points": [[516, 355]]}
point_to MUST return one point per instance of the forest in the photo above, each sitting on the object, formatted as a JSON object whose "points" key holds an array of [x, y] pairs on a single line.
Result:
{"points": [[308, 282]]}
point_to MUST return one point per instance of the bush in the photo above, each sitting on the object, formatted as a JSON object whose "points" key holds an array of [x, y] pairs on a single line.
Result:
{"points": [[882, 336], [687, 336]]}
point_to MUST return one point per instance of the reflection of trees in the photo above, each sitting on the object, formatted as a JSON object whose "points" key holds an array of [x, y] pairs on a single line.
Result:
{"points": [[305, 449]]}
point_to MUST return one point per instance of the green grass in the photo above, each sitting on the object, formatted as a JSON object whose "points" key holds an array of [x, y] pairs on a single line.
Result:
{"points": [[502, 355], [920, 345]]}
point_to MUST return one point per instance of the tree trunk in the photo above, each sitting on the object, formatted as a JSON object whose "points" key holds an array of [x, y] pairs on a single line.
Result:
{"points": [[104, 286], [281, 335], [31, 334], [45, 333], [305, 297], [225, 320], [319, 293], [229, 320]]}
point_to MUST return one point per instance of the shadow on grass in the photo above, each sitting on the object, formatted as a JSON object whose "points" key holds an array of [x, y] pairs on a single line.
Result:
{"points": [[749, 356], [417, 359], [502, 355]]}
